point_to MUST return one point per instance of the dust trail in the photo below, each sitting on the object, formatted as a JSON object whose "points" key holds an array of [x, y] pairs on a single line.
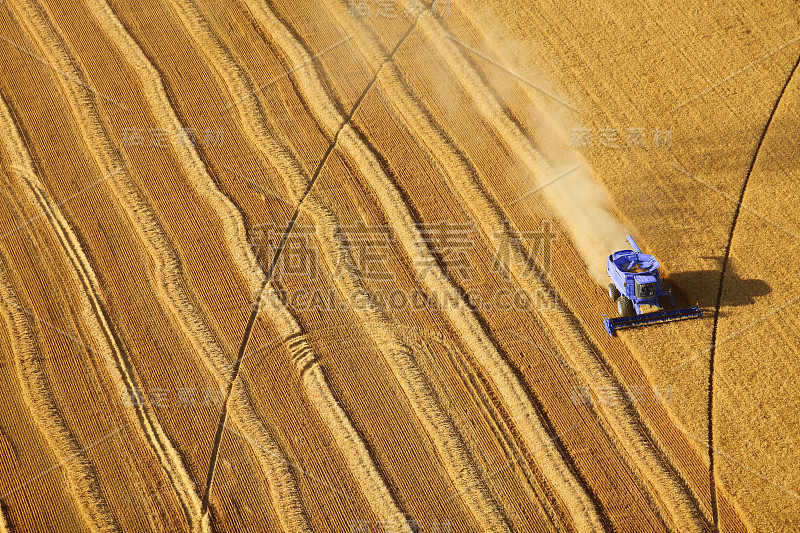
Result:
{"points": [[514, 395], [80, 477], [401, 360], [580, 199], [673, 496], [587, 213]]}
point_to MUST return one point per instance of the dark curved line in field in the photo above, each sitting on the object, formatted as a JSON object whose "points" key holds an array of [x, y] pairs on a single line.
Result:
{"points": [[254, 313], [726, 257]]}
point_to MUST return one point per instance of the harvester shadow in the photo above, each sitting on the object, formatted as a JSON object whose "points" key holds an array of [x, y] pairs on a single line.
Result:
{"points": [[700, 286]]}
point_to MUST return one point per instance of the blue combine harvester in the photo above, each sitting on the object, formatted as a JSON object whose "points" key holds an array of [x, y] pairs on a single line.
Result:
{"points": [[637, 287]]}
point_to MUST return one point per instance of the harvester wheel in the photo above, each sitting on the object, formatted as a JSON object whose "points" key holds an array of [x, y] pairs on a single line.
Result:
{"points": [[613, 293], [624, 306]]}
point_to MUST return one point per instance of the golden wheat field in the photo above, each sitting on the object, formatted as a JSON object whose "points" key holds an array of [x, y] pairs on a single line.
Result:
{"points": [[333, 265]]}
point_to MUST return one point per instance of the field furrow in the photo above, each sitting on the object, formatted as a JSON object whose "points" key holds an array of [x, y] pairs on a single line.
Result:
{"points": [[111, 164], [345, 436], [170, 285], [406, 370], [282, 484], [42, 409], [36, 392]]}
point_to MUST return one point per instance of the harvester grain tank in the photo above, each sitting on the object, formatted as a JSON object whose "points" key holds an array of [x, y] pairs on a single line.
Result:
{"points": [[637, 288]]}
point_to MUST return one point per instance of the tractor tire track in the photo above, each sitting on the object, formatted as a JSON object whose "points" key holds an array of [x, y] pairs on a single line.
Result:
{"points": [[495, 420], [718, 303], [394, 206], [346, 437], [81, 480], [401, 360], [53, 47]]}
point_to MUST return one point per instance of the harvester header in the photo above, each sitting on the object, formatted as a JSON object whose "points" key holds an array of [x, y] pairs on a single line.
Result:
{"points": [[637, 288]]}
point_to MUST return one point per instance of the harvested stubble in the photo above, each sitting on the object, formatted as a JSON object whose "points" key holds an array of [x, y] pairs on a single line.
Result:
{"points": [[114, 358], [402, 361], [515, 413], [166, 265]]}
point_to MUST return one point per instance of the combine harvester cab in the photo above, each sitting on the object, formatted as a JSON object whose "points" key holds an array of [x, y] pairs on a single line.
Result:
{"points": [[637, 287]]}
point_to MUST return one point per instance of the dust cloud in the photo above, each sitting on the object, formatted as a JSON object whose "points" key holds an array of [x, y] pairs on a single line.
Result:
{"points": [[566, 180], [582, 204]]}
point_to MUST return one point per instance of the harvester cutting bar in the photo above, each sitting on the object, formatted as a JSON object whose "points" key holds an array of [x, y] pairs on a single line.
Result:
{"points": [[613, 324]]}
